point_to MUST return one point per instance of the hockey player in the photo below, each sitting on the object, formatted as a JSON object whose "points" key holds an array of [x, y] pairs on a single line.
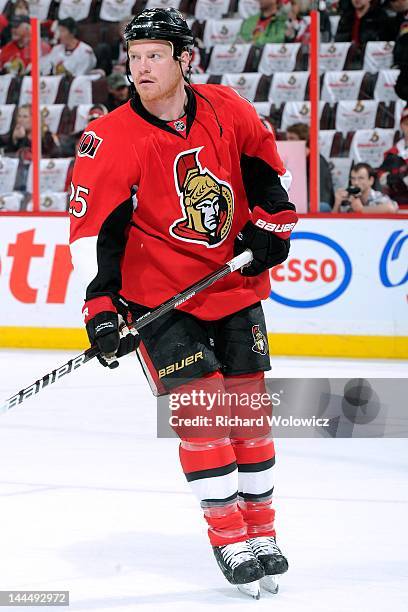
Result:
{"points": [[165, 189]]}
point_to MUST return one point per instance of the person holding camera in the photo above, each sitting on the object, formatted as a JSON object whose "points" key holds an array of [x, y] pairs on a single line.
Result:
{"points": [[360, 197]]}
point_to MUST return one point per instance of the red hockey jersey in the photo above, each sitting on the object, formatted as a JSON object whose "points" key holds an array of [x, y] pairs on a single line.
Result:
{"points": [[156, 206]]}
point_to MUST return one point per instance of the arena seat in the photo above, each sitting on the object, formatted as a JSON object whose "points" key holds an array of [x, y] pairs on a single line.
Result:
{"points": [[11, 202], [326, 143], [263, 108], [77, 9], [333, 56], [42, 8], [53, 174], [51, 116], [51, 201], [369, 146], [351, 115], [384, 85], [246, 84], [342, 85], [6, 118], [211, 9], [247, 8], [117, 10], [229, 58], [378, 55], [280, 58], [288, 86], [219, 32], [200, 78], [8, 174], [334, 22]]}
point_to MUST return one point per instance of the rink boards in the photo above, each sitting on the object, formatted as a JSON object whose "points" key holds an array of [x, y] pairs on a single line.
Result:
{"points": [[342, 291]]}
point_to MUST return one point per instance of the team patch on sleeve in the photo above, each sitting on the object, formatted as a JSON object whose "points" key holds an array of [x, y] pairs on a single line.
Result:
{"points": [[89, 145]]}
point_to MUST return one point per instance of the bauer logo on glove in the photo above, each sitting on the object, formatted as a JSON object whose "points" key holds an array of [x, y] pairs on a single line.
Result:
{"points": [[267, 236]]}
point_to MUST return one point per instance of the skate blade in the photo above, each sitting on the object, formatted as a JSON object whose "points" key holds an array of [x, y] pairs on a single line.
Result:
{"points": [[270, 584], [252, 589]]}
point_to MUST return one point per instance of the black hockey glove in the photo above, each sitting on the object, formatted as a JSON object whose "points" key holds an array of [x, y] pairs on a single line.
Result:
{"points": [[267, 236], [108, 331]]}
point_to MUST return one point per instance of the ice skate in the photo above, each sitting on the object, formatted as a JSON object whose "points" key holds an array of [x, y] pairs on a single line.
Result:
{"points": [[240, 567], [272, 560]]}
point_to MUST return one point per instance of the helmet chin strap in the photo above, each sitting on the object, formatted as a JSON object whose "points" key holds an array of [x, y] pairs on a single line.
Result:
{"points": [[186, 76]]}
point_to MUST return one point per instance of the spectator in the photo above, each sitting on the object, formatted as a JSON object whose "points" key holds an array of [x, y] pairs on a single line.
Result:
{"points": [[71, 56], [298, 29], [393, 172], [364, 199], [268, 26], [118, 88], [20, 7], [364, 21], [15, 57], [119, 47], [96, 111], [401, 46], [21, 133], [300, 131]]}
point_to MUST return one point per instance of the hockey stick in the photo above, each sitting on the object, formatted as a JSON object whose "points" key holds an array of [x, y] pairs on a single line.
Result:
{"points": [[74, 363]]}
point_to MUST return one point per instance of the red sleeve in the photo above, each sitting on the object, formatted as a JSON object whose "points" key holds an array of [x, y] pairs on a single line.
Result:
{"points": [[101, 205]]}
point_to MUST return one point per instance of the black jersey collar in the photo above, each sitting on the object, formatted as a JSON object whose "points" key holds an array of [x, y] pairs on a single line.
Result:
{"points": [[191, 109]]}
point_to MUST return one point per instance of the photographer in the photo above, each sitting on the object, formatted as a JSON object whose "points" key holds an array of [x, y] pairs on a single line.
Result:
{"points": [[360, 197]]}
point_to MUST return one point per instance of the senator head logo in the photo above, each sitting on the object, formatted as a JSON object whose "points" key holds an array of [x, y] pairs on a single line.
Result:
{"points": [[260, 343], [207, 203]]}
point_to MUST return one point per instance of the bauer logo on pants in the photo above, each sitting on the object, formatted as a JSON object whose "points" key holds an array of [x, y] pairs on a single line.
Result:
{"points": [[89, 145], [207, 203]]}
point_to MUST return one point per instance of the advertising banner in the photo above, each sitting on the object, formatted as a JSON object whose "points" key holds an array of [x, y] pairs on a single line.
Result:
{"points": [[344, 279]]}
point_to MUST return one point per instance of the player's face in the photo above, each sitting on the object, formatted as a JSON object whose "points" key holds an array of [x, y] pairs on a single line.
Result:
{"points": [[210, 214], [155, 73]]}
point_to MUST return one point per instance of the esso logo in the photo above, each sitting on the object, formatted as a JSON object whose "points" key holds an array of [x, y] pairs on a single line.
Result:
{"points": [[393, 262], [317, 272]]}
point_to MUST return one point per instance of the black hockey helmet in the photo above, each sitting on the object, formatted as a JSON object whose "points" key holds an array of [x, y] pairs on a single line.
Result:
{"points": [[161, 24]]}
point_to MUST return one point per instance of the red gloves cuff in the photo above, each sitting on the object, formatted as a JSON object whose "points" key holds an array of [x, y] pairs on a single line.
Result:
{"points": [[281, 224], [97, 305]]}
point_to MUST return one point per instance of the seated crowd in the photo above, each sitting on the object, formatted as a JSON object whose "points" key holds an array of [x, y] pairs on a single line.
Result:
{"points": [[259, 47]]}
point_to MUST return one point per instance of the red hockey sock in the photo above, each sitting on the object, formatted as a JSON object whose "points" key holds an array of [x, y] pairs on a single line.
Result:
{"points": [[210, 468], [255, 457]]}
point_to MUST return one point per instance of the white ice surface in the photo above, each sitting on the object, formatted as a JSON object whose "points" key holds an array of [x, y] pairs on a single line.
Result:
{"points": [[92, 502]]}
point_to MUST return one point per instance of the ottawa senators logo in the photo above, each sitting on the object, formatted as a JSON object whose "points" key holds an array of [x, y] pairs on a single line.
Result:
{"points": [[260, 344], [89, 144], [207, 202]]}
